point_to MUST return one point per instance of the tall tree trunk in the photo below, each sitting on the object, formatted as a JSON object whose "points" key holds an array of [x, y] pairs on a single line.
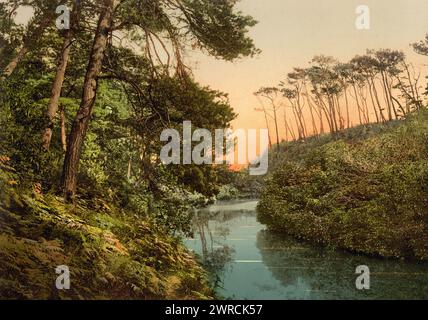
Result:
{"points": [[366, 110], [267, 127], [296, 120], [377, 99], [291, 131], [314, 125], [301, 118], [321, 123], [339, 112], [276, 125], [333, 114], [375, 108], [348, 119], [413, 87], [285, 124], [387, 95], [324, 109], [409, 78], [399, 106], [288, 128], [364, 105], [45, 20], [312, 110], [303, 122], [59, 81], [358, 104], [391, 96], [63, 129], [81, 122], [318, 110]]}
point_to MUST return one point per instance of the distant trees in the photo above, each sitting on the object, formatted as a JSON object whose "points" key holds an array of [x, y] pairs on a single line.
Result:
{"points": [[377, 86], [271, 94], [293, 90]]}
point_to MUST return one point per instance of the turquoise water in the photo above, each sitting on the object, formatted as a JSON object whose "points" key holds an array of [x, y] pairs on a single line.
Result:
{"points": [[247, 261]]}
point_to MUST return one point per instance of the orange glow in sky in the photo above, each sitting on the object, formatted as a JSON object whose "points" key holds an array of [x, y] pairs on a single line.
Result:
{"points": [[291, 32]]}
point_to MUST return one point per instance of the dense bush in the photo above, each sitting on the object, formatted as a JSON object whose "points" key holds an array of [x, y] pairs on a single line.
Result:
{"points": [[364, 194]]}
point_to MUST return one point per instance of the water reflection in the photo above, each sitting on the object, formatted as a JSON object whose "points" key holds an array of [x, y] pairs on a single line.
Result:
{"points": [[327, 274], [216, 256], [248, 262]]}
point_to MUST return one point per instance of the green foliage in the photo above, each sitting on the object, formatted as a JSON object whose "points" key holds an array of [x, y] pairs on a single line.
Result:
{"points": [[10, 33], [218, 29], [421, 47], [241, 185], [21, 120], [367, 195], [111, 253], [227, 192]]}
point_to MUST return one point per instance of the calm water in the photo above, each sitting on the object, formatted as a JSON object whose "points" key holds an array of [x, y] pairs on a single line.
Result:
{"points": [[249, 262]]}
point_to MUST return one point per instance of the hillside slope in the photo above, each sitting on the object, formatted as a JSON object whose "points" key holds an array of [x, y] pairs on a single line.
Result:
{"points": [[366, 191], [111, 254]]}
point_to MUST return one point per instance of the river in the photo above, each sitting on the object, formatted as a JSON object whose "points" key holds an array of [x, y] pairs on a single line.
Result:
{"points": [[246, 261]]}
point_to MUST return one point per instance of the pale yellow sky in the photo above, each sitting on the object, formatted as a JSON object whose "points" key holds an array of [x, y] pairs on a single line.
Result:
{"points": [[291, 32]]}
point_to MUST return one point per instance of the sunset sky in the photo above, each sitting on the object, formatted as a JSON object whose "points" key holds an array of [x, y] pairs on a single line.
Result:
{"points": [[291, 32]]}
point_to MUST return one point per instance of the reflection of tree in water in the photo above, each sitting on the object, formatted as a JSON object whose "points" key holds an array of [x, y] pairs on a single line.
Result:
{"points": [[216, 257], [329, 274], [222, 216]]}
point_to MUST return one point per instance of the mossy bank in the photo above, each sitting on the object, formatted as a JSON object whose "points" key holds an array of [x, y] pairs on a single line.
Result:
{"points": [[111, 254]]}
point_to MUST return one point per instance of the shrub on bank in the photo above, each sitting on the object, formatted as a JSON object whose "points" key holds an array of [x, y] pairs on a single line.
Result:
{"points": [[368, 194]]}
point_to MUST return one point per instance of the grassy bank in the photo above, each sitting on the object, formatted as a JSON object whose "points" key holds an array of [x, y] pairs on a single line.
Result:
{"points": [[111, 254], [366, 190]]}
